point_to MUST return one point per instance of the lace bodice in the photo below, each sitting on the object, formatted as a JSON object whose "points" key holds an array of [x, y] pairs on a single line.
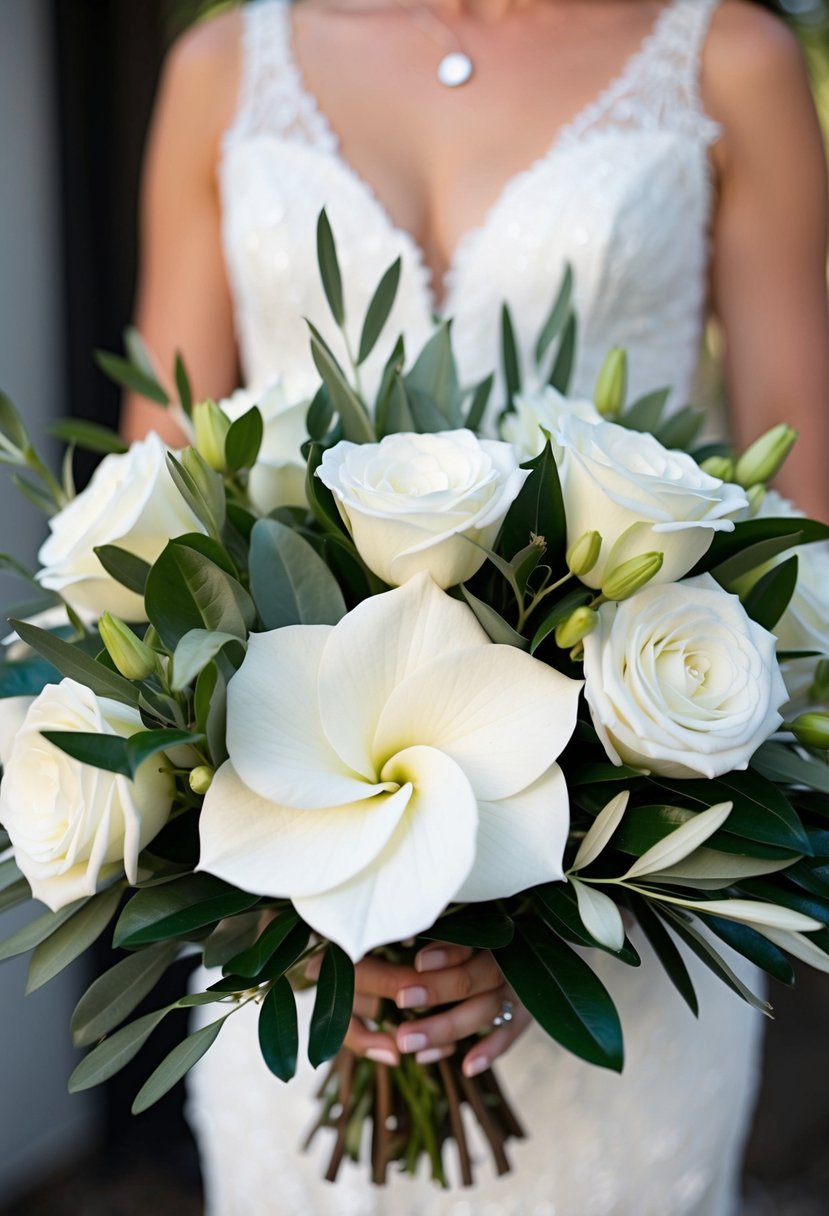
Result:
{"points": [[622, 193]]}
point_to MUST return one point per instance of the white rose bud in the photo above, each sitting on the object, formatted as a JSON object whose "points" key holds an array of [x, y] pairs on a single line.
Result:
{"points": [[681, 681], [413, 503], [132, 502], [278, 477], [72, 826], [640, 496], [535, 413]]}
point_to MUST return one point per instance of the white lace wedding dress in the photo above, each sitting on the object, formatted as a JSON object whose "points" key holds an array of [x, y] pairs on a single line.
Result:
{"points": [[623, 194]]}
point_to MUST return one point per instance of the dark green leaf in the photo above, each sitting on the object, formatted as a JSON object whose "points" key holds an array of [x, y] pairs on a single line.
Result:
{"points": [[187, 588], [378, 310], [243, 441], [332, 1006], [201, 488], [320, 414], [538, 509], [355, 421], [478, 404], [88, 435], [782, 893], [115, 754], [481, 926], [494, 625], [16, 894], [125, 373], [779, 762], [750, 532], [253, 959], [177, 908], [510, 364], [115, 994], [71, 661], [180, 1060], [278, 1033], [749, 559], [753, 946], [12, 426], [330, 269], [682, 428], [715, 962], [432, 386], [565, 360], [558, 613], [73, 937], [761, 811], [645, 414], [769, 598], [231, 935], [557, 315], [564, 995], [394, 412], [26, 678], [290, 582], [320, 498], [185, 393], [665, 950], [127, 569], [558, 906], [115, 1053], [210, 704]]}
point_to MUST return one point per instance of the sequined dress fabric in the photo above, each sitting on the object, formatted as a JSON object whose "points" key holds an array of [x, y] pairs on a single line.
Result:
{"points": [[623, 194]]}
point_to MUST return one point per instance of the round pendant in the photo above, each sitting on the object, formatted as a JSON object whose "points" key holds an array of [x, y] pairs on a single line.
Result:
{"points": [[455, 69]]}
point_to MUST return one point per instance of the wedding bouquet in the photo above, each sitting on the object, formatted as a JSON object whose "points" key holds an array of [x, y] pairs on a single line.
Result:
{"points": [[342, 678]]}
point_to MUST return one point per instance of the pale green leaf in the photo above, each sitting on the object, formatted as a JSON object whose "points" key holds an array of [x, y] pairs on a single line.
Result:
{"points": [[682, 841], [600, 915], [171, 1069], [601, 830]]}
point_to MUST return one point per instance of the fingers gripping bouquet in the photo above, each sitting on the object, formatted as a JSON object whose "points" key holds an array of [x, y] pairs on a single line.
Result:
{"points": [[342, 679]]}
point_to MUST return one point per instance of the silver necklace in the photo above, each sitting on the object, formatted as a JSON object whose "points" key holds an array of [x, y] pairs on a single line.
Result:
{"points": [[456, 66]]}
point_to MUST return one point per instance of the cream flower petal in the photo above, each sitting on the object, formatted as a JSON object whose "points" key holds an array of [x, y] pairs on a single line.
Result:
{"points": [[520, 840], [279, 851], [374, 648], [500, 714], [12, 712], [420, 870], [275, 737]]}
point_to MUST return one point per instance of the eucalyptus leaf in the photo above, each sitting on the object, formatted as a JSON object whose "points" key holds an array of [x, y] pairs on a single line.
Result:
{"points": [[115, 1052], [290, 582], [330, 269], [432, 385], [36, 931], [355, 421], [278, 1032], [230, 936], [196, 649], [188, 588], [378, 310], [115, 994], [332, 1006], [201, 488], [179, 1062], [73, 937], [18, 893]]}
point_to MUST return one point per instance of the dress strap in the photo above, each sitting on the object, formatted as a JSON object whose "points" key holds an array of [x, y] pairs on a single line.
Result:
{"points": [[272, 98]]}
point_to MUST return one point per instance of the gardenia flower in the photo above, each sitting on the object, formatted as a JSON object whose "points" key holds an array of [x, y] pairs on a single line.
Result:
{"points": [[278, 477], [641, 498], [73, 826], [413, 503], [387, 765], [544, 408], [680, 681], [131, 501]]}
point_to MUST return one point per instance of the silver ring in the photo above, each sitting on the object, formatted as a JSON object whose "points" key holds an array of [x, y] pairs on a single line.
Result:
{"points": [[504, 1015]]}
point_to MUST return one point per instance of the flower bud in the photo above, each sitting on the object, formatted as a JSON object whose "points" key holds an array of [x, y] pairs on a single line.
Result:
{"points": [[762, 459], [132, 657], [584, 553], [211, 426], [820, 688], [756, 496], [721, 467], [201, 778], [612, 384], [632, 575], [812, 730], [576, 627]]}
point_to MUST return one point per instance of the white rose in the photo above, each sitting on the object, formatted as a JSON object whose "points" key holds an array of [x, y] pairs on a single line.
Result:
{"points": [[73, 826], [278, 477], [681, 681], [805, 623], [545, 407], [414, 502], [640, 496], [131, 501], [385, 766]]}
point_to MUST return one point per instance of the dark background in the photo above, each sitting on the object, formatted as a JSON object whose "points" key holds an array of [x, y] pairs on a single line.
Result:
{"points": [[108, 54]]}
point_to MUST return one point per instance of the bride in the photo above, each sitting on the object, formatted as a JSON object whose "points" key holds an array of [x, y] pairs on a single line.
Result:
{"points": [[669, 151]]}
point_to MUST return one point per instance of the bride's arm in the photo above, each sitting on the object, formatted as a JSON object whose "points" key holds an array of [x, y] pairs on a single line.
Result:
{"points": [[183, 301], [770, 240]]}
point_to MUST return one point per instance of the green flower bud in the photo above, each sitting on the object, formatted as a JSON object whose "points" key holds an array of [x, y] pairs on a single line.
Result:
{"points": [[812, 730], [201, 778], [820, 688], [612, 384], [763, 458], [579, 623], [584, 553], [721, 467], [211, 426], [132, 657], [756, 496], [631, 576]]}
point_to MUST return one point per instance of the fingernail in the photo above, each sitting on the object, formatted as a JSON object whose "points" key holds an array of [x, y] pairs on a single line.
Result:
{"points": [[430, 1056], [412, 998], [431, 960], [414, 1041], [472, 1067], [381, 1056]]}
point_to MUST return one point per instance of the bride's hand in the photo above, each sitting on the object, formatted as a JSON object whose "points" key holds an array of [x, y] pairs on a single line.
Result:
{"points": [[468, 982]]}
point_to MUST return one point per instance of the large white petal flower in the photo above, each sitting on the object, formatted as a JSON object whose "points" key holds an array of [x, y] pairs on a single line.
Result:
{"points": [[382, 767]]}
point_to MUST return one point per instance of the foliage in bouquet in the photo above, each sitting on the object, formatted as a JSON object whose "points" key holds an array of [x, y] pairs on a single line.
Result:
{"points": [[346, 677]]}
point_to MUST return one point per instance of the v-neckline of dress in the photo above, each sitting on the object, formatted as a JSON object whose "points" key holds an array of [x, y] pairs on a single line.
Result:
{"points": [[438, 295]]}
